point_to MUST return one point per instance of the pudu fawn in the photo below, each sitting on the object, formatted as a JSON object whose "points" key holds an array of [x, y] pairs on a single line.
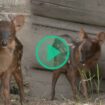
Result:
{"points": [[11, 51], [84, 56]]}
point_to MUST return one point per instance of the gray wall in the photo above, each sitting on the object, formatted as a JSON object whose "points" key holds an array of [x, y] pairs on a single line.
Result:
{"points": [[14, 5], [83, 11]]}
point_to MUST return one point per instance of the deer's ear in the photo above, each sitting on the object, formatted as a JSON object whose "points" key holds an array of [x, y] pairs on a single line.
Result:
{"points": [[18, 21], [101, 37], [82, 34]]}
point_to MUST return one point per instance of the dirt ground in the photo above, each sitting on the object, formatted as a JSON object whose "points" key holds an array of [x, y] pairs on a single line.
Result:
{"points": [[37, 82]]}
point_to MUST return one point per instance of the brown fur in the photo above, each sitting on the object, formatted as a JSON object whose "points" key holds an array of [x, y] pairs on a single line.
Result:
{"points": [[10, 58], [84, 56]]}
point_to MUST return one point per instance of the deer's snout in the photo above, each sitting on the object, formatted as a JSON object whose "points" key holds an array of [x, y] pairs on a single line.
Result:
{"points": [[4, 43], [82, 58], [82, 61], [4, 38]]}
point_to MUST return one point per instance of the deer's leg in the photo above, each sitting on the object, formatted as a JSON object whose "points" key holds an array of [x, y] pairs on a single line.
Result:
{"points": [[5, 80], [84, 86], [71, 76], [56, 75], [19, 80]]}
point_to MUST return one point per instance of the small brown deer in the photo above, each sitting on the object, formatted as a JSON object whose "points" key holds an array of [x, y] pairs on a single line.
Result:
{"points": [[11, 51], [84, 57]]}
